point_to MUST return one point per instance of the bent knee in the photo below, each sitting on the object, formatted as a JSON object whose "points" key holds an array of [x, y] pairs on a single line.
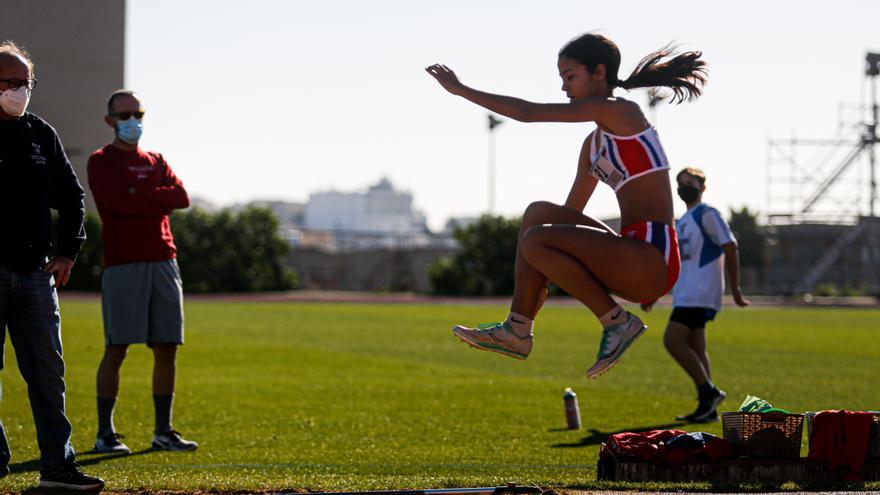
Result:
{"points": [[538, 212], [540, 206]]}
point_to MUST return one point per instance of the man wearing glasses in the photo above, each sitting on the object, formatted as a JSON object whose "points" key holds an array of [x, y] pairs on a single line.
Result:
{"points": [[142, 295], [36, 176]]}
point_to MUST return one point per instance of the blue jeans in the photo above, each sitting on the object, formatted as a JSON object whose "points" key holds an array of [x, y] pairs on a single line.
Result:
{"points": [[29, 308]]}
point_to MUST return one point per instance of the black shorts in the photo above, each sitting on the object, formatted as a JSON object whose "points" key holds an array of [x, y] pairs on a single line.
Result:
{"points": [[692, 318]]}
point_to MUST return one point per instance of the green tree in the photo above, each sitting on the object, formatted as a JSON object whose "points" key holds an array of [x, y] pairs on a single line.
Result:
{"points": [[217, 252], [231, 252], [86, 272], [749, 236], [485, 264]]}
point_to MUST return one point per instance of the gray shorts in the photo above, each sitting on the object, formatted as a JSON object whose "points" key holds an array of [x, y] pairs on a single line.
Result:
{"points": [[142, 303]]}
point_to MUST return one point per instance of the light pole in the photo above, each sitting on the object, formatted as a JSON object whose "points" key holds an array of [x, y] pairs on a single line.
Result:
{"points": [[872, 71], [493, 123], [654, 99]]}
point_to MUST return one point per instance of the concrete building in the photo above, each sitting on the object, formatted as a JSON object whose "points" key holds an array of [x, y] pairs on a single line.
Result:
{"points": [[379, 210], [290, 215], [78, 47], [371, 240]]}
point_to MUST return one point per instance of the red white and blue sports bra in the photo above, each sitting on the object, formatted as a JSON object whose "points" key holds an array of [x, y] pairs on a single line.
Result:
{"points": [[620, 159]]}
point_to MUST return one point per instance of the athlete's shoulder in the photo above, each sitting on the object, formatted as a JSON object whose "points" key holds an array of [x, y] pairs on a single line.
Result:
{"points": [[711, 211], [709, 207], [623, 116], [626, 104]]}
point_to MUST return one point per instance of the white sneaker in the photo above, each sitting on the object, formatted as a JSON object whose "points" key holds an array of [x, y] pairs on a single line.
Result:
{"points": [[171, 440], [495, 337], [111, 444], [615, 341]]}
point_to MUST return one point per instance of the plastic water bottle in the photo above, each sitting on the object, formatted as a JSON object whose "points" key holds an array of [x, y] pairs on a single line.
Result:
{"points": [[572, 412]]}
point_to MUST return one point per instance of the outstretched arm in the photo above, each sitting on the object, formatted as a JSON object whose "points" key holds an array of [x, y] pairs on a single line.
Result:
{"points": [[586, 110]]}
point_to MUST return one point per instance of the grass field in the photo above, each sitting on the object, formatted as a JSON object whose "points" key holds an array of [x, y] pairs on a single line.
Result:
{"points": [[292, 396]]}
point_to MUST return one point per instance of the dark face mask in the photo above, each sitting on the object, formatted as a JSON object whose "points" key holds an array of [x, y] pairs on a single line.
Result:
{"points": [[688, 194]]}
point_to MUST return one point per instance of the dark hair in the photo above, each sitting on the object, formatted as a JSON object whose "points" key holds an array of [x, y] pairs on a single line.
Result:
{"points": [[683, 73], [8, 48], [118, 92], [693, 172]]}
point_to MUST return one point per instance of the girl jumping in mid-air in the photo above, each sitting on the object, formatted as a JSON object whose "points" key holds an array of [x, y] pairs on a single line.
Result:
{"points": [[580, 254]]}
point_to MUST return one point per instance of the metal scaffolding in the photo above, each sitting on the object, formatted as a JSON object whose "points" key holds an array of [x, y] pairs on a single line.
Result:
{"points": [[820, 180], [831, 181]]}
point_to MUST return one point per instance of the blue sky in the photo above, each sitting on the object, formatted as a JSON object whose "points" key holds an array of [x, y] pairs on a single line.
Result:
{"points": [[276, 99]]}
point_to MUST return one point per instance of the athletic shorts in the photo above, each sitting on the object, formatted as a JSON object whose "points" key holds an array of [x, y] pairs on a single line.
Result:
{"points": [[664, 238], [692, 318], [142, 303]]}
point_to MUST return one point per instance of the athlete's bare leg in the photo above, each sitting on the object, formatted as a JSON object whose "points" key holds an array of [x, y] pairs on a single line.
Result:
{"points": [[589, 262], [697, 342], [530, 289], [677, 342]]}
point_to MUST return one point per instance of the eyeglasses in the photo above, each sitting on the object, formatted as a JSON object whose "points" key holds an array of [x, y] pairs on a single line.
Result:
{"points": [[17, 83], [127, 115]]}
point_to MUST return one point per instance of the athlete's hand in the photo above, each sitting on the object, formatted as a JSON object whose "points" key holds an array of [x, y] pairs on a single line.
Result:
{"points": [[446, 78], [60, 267], [738, 298]]}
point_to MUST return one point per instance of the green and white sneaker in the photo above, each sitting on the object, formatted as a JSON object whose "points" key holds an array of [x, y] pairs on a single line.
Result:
{"points": [[615, 341], [495, 337]]}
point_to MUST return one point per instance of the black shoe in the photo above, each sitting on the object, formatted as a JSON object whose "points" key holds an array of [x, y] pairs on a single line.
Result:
{"points": [[4, 471], [711, 417], [706, 411], [69, 477]]}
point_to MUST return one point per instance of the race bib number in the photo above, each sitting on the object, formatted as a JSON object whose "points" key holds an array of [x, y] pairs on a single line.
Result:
{"points": [[604, 170]]}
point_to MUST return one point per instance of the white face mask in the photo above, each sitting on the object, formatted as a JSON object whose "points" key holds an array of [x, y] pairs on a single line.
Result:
{"points": [[15, 101]]}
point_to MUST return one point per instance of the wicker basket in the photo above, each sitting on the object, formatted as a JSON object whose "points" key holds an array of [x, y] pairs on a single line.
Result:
{"points": [[768, 435]]}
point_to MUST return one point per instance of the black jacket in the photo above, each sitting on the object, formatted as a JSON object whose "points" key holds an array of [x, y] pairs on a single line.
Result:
{"points": [[35, 175]]}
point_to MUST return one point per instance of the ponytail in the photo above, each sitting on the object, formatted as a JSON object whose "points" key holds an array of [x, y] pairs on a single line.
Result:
{"points": [[685, 74]]}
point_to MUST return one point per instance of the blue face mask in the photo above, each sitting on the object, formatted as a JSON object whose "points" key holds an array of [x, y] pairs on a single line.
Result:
{"points": [[129, 130]]}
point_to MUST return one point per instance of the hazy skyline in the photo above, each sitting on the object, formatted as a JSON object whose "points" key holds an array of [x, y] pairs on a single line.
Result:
{"points": [[275, 100]]}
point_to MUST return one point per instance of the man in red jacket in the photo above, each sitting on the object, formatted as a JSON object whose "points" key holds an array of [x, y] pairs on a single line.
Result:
{"points": [[142, 299]]}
